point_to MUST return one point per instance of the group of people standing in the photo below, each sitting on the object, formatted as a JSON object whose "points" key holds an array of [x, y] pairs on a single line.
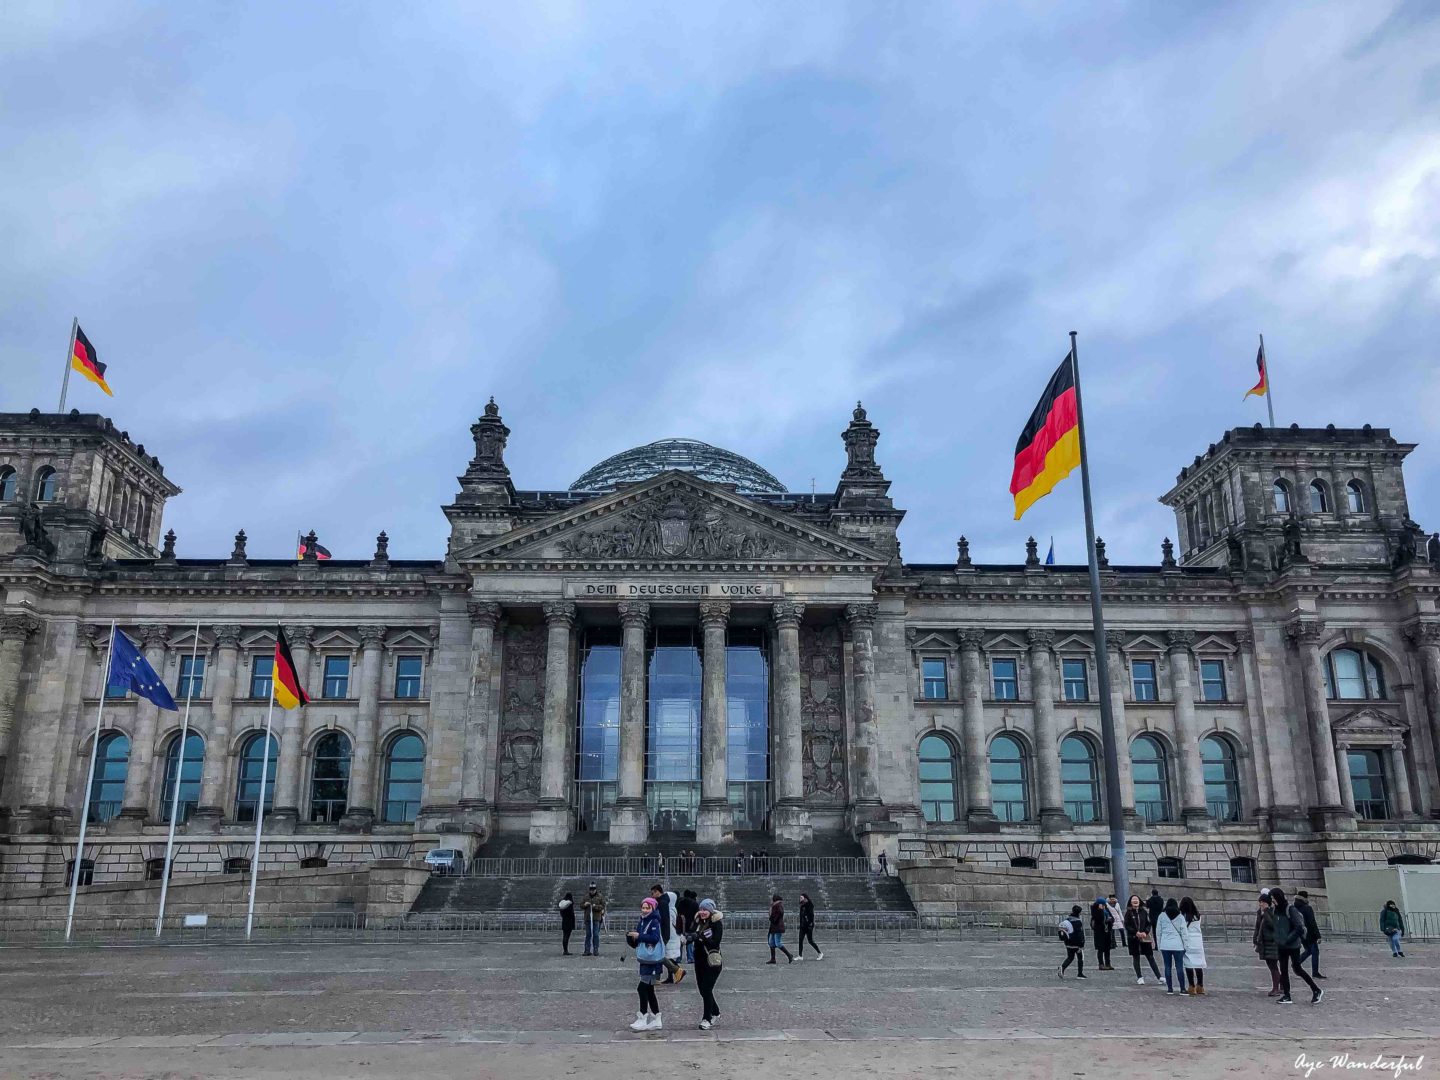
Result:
{"points": [[1174, 927]]}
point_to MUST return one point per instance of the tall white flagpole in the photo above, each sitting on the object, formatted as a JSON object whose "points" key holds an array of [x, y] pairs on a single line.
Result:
{"points": [[89, 783], [260, 809], [179, 776], [65, 383]]}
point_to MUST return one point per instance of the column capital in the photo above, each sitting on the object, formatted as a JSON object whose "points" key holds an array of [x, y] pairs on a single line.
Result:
{"points": [[1040, 640], [634, 613], [227, 636], [300, 635], [154, 635], [787, 613], [862, 616], [17, 627], [971, 638], [1180, 640], [714, 613], [1423, 633], [560, 612], [1245, 638], [1304, 632], [1115, 639], [483, 613], [371, 637]]}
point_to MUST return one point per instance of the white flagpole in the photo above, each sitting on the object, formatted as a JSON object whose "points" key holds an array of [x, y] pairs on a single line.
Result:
{"points": [[89, 782], [260, 810], [65, 383], [179, 775]]}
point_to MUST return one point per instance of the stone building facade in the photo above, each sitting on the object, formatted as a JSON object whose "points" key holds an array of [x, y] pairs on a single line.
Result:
{"points": [[676, 644]]}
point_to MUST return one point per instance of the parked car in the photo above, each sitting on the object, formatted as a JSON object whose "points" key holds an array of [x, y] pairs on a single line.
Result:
{"points": [[445, 860]]}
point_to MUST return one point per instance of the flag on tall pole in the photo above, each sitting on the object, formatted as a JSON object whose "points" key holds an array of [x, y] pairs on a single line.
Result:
{"points": [[1050, 555], [1051, 445], [177, 782], [1262, 388], [286, 689], [81, 357]]}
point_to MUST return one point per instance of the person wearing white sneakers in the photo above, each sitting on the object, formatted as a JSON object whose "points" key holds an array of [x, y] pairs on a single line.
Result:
{"points": [[709, 929], [1138, 937], [650, 954]]}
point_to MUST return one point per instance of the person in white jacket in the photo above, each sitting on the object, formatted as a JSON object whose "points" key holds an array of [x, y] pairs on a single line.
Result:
{"points": [[1170, 936], [1194, 937]]}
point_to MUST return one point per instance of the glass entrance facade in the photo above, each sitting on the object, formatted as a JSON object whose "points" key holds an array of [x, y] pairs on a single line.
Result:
{"points": [[747, 693], [672, 743], [597, 743]]}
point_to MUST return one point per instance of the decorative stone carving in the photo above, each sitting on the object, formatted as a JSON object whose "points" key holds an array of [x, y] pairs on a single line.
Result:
{"points": [[371, 635], [1244, 639], [300, 635], [962, 552], [491, 435], [822, 714], [167, 550], [971, 637], [522, 720], [237, 555], [714, 612], [1180, 640], [35, 540], [1040, 640], [862, 614], [634, 612], [1167, 554], [227, 636], [19, 627], [679, 527], [310, 545], [154, 635], [483, 613], [1423, 633], [1115, 639], [559, 611], [1101, 559], [1032, 552], [1305, 631], [382, 550], [860, 439], [787, 611]]}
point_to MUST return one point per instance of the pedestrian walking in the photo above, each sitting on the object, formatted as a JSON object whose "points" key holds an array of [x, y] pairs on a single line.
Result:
{"points": [[594, 908], [1194, 936], [669, 935], [1139, 937], [1117, 918], [1171, 939], [884, 865], [1102, 926], [1312, 934], [807, 928], [1392, 925], [1264, 941], [1288, 926], [567, 922], [1072, 934], [708, 959], [649, 952], [777, 930], [688, 905]]}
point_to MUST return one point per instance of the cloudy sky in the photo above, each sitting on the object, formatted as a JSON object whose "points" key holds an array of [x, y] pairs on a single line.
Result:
{"points": [[311, 240]]}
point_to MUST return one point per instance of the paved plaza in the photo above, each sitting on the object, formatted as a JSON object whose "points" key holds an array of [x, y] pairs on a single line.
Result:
{"points": [[515, 1009]]}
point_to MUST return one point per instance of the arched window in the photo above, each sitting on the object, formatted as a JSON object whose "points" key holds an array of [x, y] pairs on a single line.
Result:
{"points": [[1355, 497], [1282, 497], [1319, 497], [237, 864], [1408, 859], [939, 792], [7, 484], [194, 765], [112, 764], [257, 768], [1151, 774], [45, 483], [1024, 862], [330, 778], [1080, 778], [1352, 675], [404, 770], [1242, 870], [1009, 786], [1367, 781], [1222, 778], [1097, 864]]}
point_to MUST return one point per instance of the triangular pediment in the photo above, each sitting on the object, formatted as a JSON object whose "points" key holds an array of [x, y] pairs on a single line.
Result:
{"points": [[1368, 719], [674, 518]]}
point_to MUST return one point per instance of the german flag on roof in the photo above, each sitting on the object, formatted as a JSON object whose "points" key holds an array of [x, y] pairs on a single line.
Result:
{"points": [[1049, 447], [84, 360], [288, 691]]}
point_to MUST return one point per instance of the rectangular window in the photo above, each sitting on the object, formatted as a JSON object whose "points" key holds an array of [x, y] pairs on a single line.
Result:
{"points": [[1005, 679], [113, 692], [192, 677], [261, 668], [337, 677], [1169, 867], [1212, 680], [1142, 679], [408, 670], [1077, 680], [932, 670]]}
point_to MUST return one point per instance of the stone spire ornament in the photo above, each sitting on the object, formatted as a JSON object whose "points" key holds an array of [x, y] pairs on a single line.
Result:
{"points": [[1100, 557], [167, 552], [382, 550], [310, 542], [237, 555], [491, 435], [1167, 554], [1032, 552], [860, 439], [962, 553]]}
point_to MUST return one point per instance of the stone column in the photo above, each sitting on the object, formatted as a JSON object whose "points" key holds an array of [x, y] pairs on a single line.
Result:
{"points": [[550, 821], [979, 808], [1331, 813], [861, 618], [1425, 637], [142, 744], [1265, 784], [790, 820], [211, 810], [1404, 806], [480, 720], [716, 823], [1342, 767], [629, 819], [1119, 680], [287, 730], [1047, 732], [360, 797], [15, 630], [1193, 810]]}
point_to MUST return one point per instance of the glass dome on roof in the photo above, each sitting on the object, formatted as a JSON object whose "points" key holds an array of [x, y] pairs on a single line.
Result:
{"points": [[689, 455]]}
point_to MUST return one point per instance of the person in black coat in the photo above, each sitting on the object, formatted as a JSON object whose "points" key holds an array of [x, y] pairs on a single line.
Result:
{"points": [[708, 932], [567, 923], [1140, 936], [807, 928], [1155, 905], [1312, 934], [1072, 933], [1102, 926]]}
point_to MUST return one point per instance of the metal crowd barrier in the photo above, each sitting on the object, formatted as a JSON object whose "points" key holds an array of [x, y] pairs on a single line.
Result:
{"points": [[678, 866]]}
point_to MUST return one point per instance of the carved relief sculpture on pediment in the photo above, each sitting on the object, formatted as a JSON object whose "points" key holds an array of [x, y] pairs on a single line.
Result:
{"points": [[522, 718], [677, 527], [822, 713]]}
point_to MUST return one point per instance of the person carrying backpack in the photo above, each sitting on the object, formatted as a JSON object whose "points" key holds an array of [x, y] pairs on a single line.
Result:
{"points": [[1072, 933], [1288, 926]]}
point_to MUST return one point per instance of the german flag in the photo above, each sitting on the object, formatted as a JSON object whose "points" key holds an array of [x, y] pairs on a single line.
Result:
{"points": [[288, 691], [84, 360], [1261, 388], [1049, 447]]}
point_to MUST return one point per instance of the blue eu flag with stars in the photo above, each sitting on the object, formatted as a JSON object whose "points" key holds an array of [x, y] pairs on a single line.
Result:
{"points": [[131, 671]]}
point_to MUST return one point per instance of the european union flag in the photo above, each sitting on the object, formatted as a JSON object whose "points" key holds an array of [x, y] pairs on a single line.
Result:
{"points": [[1050, 555], [131, 671]]}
